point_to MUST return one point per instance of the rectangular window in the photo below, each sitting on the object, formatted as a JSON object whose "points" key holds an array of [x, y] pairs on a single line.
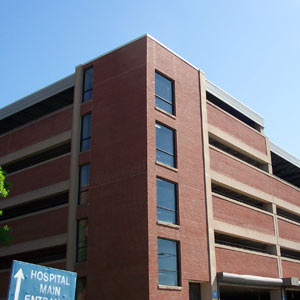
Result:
{"points": [[164, 93], [87, 90], [194, 291], [166, 193], [165, 145], [82, 240], [85, 137], [84, 181], [168, 262], [81, 288]]}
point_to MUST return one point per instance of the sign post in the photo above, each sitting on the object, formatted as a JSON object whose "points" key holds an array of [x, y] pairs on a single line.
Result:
{"points": [[35, 282]]}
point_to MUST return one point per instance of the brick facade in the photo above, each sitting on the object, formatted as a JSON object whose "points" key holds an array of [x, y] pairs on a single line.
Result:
{"points": [[120, 200]]}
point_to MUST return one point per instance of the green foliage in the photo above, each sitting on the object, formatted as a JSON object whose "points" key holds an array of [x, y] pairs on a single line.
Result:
{"points": [[5, 235], [4, 185], [5, 231]]}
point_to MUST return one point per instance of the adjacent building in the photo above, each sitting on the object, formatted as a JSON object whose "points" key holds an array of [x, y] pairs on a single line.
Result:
{"points": [[151, 183]]}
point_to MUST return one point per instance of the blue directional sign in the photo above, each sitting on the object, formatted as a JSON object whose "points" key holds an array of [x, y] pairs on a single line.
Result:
{"points": [[34, 282]]}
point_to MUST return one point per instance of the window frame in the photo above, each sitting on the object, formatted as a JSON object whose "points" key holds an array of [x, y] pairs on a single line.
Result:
{"points": [[176, 204], [81, 132], [77, 241], [82, 188], [83, 84], [178, 262], [174, 138], [81, 288], [172, 104]]}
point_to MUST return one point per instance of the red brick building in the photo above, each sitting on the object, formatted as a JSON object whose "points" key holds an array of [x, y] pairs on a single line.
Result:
{"points": [[151, 183]]}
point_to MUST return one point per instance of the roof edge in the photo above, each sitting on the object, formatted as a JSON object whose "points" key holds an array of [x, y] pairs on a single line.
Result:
{"points": [[114, 49], [136, 39], [167, 48], [284, 154], [233, 102], [38, 96]]}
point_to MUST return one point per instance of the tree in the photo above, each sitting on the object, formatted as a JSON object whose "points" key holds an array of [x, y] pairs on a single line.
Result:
{"points": [[5, 231]]}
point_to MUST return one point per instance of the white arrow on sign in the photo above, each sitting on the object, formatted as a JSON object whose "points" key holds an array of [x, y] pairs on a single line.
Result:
{"points": [[20, 276]]}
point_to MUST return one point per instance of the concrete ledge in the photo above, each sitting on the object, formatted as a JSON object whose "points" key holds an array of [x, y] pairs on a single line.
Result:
{"points": [[290, 260], [245, 251], [259, 210], [175, 226], [237, 144], [34, 245], [164, 112], [166, 166], [287, 206], [34, 213], [242, 188], [48, 143], [288, 221], [169, 287], [40, 193], [249, 234], [284, 243]]}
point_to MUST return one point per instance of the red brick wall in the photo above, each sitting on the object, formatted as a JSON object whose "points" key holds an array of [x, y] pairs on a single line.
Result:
{"points": [[39, 226], [232, 168], [40, 176], [232, 261], [118, 230], [239, 215], [289, 231], [4, 284], [290, 269], [36, 131], [235, 128], [285, 192], [192, 232]]}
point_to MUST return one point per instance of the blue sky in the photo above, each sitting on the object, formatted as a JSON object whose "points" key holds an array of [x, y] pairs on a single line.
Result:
{"points": [[249, 48]]}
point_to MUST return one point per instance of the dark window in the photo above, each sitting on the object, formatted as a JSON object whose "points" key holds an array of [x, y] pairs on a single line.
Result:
{"points": [[38, 158], [292, 295], [290, 253], [85, 139], [166, 201], [35, 206], [164, 93], [84, 181], [38, 110], [41, 256], [286, 214], [242, 243], [235, 195], [285, 169], [87, 91], [165, 141], [239, 155], [168, 262], [82, 240], [194, 291], [81, 288]]}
